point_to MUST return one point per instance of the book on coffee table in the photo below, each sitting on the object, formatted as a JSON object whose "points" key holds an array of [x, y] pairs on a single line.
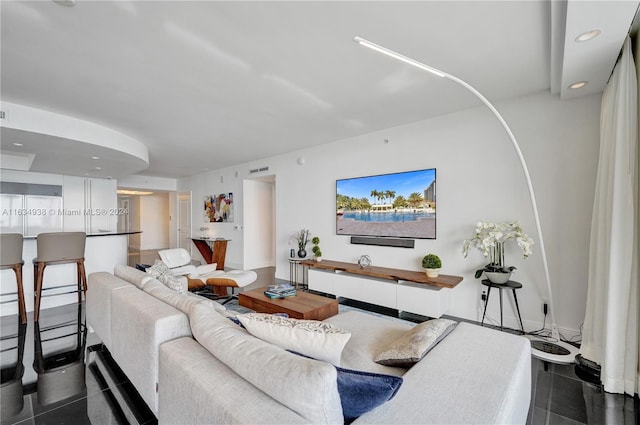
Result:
{"points": [[280, 291], [276, 295]]}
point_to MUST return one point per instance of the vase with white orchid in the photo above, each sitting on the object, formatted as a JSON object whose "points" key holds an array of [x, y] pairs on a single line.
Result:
{"points": [[489, 239]]}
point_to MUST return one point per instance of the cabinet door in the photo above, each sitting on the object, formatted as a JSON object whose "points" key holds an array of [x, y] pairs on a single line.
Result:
{"points": [[102, 204], [379, 292], [321, 281], [11, 216], [45, 214], [422, 299], [348, 286], [75, 217]]}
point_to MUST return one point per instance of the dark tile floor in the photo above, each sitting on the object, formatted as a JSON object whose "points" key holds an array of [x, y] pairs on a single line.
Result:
{"points": [[56, 373]]}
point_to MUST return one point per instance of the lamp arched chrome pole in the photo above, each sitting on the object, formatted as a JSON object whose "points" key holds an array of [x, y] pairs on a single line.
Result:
{"points": [[550, 353]]}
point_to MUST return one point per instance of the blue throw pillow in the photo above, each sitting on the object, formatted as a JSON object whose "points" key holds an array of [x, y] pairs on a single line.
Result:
{"points": [[361, 391]]}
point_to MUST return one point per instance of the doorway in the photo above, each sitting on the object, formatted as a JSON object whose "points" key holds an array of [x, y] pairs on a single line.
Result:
{"points": [[148, 214], [259, 218]]}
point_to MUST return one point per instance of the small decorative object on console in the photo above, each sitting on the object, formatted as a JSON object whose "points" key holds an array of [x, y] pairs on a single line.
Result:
{"points": [[364, 261], [431, 264], [302, 239], [489, 238], [316, 248]]}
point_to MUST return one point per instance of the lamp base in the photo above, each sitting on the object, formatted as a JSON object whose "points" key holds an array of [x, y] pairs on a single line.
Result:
{"points": [[552, 351]]}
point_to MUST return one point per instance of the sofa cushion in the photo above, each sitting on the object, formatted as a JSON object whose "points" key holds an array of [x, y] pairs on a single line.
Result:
{"points": [[132, 275], [100, 290], [179, 285], [182, 302], [197, 388], [319, 340], [139, 324], [308, 387], [476, 375], [369, 335], [411, 347]]}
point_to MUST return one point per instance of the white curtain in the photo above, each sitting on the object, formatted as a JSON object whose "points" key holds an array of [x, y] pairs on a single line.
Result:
{"points": [[611, 336]]}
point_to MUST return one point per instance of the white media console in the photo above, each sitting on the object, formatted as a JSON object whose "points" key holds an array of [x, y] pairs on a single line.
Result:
{"points": [[403, 290]]}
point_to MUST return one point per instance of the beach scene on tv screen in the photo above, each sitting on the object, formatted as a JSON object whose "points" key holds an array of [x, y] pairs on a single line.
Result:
{"points": [[399, 205]]}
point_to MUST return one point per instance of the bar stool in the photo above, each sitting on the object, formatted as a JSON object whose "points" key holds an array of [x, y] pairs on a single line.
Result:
{"points": [[59, 248], [11, 258]]}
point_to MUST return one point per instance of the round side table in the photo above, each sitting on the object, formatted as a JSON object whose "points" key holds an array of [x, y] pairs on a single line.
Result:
{"points": [[507, 285], [294, 263]]}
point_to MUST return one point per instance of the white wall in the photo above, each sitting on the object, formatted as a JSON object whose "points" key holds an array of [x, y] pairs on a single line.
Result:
{"points": [[479, 177], [213, 183]]}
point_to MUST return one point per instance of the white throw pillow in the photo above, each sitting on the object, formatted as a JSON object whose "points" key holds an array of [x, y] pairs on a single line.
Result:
{"points": [[411, 347], [160, 271], [319, 340]]}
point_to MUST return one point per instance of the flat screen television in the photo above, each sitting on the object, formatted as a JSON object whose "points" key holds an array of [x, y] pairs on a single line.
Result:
{"points": [[398, 205]]}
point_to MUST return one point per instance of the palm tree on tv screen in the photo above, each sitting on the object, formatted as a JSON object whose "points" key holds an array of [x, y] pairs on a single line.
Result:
{"points": [[415, 199]]}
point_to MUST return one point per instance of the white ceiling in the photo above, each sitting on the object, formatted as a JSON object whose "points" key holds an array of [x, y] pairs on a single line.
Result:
{"points": [[209, 84]]}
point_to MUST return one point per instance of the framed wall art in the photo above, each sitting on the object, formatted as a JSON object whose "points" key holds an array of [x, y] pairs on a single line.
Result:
{"points": [[218, 208]]}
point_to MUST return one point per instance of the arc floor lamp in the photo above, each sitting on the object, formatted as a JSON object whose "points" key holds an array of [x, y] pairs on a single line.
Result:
{"points": [[552, 349]]}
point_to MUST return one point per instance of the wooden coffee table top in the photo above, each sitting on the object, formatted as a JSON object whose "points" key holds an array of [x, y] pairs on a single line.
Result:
{"points": [[301, 306]]}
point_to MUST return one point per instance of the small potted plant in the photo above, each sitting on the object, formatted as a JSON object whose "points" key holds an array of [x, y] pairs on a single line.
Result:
{"points": [[431, 264], [316, 248]]}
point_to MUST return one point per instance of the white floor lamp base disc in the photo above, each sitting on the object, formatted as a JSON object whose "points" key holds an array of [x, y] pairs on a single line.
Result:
{"points": [[552, 351]]}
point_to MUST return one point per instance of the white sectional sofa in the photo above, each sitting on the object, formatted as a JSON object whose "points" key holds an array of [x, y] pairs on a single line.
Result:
{"points": [[192, 365]]}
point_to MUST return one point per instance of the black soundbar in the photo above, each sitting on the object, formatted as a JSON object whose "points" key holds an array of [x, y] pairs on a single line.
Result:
{"points": [[367, 240]]}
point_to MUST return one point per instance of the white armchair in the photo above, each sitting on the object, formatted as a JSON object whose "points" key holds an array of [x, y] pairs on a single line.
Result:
{"points": [[179, 261]]}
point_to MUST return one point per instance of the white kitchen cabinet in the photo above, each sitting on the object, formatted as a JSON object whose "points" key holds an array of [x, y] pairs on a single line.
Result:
{"points": [[43, 214], [30, 214], [103, 202], [73, 201], [90, 205]]}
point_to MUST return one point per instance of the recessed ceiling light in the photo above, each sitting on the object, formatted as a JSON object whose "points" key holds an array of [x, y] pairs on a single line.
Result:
{"points": [[589, 35], [578, 85], [95, 157], [17, 144], [98, 168]]}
